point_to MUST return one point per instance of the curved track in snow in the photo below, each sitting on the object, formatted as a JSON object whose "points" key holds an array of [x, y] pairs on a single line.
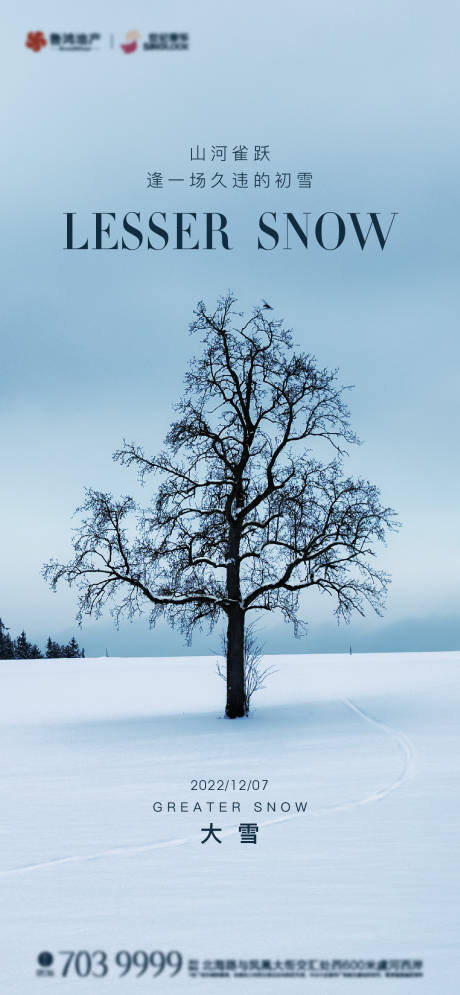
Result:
{"points": [[407, 771], [407, 752]]}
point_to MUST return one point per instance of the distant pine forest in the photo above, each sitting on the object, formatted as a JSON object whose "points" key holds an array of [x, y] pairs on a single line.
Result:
{"points": [[22, 649]]}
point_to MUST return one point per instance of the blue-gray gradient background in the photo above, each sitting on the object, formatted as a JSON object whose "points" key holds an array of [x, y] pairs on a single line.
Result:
{"points": [[94, 344]]}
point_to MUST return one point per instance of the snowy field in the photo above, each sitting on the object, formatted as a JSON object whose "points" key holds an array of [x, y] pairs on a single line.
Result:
{"points": [[368, 872]]}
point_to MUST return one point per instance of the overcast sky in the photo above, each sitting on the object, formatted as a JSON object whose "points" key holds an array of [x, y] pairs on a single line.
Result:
{"points": [[94, 344]]}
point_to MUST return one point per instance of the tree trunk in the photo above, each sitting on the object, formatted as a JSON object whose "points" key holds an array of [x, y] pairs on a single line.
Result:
{"points": [[235, 629], [235, 664]]}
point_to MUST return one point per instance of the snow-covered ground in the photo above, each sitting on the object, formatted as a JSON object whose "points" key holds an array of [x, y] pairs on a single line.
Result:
{"points": [[369, 871]]}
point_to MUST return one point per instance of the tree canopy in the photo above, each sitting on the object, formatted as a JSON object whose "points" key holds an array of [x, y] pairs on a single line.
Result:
{"points": [[251, 507]]}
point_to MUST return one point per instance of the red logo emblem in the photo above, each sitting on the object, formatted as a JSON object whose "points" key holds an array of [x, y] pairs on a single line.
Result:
{"points": [[130, 44], [35, 40]]}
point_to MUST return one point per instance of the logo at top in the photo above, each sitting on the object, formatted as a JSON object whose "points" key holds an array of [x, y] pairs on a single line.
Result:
{"points": [[130, 43], [35, 40], [94, 41]]}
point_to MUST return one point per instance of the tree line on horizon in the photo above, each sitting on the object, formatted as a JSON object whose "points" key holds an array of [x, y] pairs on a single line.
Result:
{"points": [[22, 649]]}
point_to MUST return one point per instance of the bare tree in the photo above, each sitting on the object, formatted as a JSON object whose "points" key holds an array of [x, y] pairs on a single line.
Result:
{"points": [[251, 508], [255, 673]]}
